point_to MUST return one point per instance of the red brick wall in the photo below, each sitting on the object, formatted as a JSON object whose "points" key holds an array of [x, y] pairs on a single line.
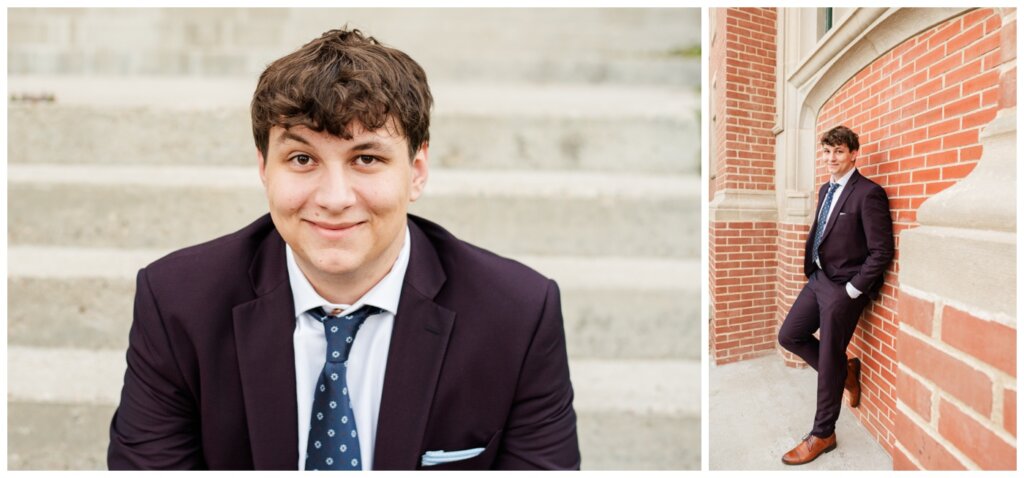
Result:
{"points": [[743, 297], [958, 384], [742, 254], [959, 404], [790, 278], [743, 59], [716, 66], [918, 109]]}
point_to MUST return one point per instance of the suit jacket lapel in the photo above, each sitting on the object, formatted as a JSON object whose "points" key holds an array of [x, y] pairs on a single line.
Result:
{"points": [[266, 359], [418, 344], [847, 191], [817, 212]]}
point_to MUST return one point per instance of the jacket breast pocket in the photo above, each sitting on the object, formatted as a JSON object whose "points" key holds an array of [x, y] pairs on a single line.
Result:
{"points": [[845, 220], [482, 461]]}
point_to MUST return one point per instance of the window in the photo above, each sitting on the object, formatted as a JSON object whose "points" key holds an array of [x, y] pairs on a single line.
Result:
{"points": [[824, 21]]}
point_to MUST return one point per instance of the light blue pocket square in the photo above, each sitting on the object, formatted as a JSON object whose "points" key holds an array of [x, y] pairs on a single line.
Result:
{"points": [[438, 457]]}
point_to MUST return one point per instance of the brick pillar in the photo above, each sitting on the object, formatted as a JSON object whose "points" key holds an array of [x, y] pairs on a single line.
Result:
{"points": [[790, 278], [743, 234]]}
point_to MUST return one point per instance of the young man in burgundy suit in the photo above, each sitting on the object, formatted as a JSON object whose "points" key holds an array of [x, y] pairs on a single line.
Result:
{"points": [[338, 332], [845, 258]]}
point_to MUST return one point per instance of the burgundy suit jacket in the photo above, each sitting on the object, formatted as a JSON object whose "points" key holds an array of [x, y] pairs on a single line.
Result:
{"points": [[477, 359], [858, 243]]}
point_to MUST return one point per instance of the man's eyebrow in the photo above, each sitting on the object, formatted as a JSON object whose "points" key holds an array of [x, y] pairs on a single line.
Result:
{"points": [[286, 135], [370, 145]]}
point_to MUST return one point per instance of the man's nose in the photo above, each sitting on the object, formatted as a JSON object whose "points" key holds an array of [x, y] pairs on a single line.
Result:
{"points": [[335, 190]]}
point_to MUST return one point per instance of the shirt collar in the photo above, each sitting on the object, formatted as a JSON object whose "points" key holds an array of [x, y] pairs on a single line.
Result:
{"points": [[384, 294], [845, 179]]}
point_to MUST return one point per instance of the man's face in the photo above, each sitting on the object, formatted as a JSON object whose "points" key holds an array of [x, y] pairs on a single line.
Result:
{"points": [[838, 159], [341, 204]]}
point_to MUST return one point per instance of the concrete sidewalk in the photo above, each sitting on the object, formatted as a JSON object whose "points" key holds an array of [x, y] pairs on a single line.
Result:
{"points": [[760, 409]]}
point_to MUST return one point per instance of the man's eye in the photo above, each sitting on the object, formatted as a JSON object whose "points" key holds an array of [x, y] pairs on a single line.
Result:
{"points": [[302, 159], [365, 160]]}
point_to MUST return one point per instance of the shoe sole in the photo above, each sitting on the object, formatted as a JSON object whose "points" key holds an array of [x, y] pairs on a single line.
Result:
{"points": [[826, 450]]}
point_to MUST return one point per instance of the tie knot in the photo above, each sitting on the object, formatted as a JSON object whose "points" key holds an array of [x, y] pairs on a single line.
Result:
{"points": [[358, 316], [832, 187], [340, 331]]}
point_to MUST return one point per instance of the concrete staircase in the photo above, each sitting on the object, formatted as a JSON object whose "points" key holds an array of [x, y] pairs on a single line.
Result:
{"points": [[567, 139]]}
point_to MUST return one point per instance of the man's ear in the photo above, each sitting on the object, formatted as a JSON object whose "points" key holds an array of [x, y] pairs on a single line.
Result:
{"points": [[262, 166], [420, 172]]}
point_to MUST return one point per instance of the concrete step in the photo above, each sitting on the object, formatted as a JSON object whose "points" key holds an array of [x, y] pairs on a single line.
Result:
{"points": [[540, 213], [675, 66], [612, 307], [95, 376], [608, 441], [497, 126], [57, 436], [631, 46], [626, 441], [632, 414]]}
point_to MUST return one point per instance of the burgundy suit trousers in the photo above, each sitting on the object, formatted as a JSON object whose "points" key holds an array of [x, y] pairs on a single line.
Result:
{"points": [[823, 305]]}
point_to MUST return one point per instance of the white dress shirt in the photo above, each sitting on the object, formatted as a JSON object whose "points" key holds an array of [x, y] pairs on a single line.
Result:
{"points": [[367, 360], [850, 289]]}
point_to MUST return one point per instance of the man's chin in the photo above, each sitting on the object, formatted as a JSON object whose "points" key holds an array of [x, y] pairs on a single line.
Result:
{"points": [[339, 263], [336, 267]]}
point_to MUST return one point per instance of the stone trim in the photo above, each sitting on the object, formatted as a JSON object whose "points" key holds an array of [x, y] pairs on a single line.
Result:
{"points": [[985, 262], [739, 205]]}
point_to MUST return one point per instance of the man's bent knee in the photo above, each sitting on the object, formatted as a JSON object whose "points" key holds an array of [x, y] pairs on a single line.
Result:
{"points": [[788, 341]]}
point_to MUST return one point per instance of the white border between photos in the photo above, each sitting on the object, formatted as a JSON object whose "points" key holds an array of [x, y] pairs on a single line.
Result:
{"points": [[705, 6]]}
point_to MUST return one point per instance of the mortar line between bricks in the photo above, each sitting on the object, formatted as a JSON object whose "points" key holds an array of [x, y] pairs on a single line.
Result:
{"points": [[981, 314], [941, 440], [906, 453], [964, 408], [991, 371]]}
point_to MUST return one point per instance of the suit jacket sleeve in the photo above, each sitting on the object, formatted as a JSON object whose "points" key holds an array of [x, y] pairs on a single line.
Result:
{"points": [[877, 223], [156, 424], [541, 428]]}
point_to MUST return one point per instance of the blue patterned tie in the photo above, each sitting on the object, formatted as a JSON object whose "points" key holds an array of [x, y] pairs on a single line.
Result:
{"points": [[823, 219], [333, 443]]}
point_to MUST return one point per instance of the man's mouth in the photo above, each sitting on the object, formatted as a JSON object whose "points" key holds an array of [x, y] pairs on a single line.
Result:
{"points": [[335, 229]]}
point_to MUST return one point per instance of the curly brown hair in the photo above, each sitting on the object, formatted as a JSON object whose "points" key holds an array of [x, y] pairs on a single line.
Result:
{"points": [[841, 135], [340, 78]]}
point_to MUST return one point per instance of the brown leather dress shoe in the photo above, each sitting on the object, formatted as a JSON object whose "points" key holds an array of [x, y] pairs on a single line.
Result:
{"points": [[852, 384], [809, 449]]}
